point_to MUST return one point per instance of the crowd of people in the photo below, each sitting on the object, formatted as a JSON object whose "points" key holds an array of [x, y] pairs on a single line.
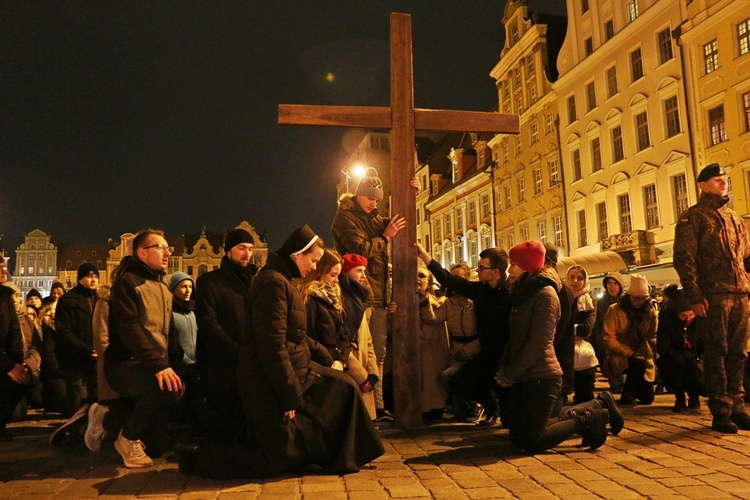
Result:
{"points": [[249, 372]]}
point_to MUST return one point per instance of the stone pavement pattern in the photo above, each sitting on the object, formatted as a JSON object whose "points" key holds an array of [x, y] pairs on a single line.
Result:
{"points": [[658, 454]]}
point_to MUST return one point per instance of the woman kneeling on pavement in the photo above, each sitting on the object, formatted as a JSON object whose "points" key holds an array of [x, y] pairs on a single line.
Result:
{"points": [[529, 366]]}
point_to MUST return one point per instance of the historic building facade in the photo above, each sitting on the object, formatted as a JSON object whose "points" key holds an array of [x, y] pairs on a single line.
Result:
{"points": [[624, 130], [36, 263], [715, 42], [528, 177], [73, 255]]}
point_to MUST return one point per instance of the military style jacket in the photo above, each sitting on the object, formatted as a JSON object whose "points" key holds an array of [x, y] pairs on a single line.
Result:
{"points": [[711, 249]]}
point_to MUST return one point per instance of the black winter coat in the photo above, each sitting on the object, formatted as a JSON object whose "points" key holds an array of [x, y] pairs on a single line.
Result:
{"points": [[325, 324], [355, 298], [74, 339], [276, 350], [491, 305], [11, 340], [220, 313]]}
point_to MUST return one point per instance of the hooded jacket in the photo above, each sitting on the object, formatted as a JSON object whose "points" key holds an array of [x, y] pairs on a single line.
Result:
{"points": [[711, 249], [356, 231], [530, 353]]}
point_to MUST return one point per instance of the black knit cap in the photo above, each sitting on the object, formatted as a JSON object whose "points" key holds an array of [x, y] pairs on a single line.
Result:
{"points": [[237, 236], [712, 170], [33, 293], [86, 268], [550, 255], [301, 239]]}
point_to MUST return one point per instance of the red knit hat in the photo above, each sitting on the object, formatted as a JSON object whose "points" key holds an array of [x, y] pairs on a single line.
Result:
{"points": [[528, 255], [352, 260]]}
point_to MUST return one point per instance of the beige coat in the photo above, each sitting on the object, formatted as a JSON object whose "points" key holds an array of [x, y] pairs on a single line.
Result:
{"points": [[363, 362], [435, 357], [621, 344]]}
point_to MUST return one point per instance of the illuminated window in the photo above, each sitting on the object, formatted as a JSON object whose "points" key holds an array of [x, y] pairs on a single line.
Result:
{"points": [[633, 10], [521, 189], [557, 224], [596, 155], [601, 221], [582, 238], [541, 230], [641, 126], [743, 36], [618, 153], [680, 193], [554, 172], [577, 173], [538, 180], [652, 207], [717, 125], [711, 56]]}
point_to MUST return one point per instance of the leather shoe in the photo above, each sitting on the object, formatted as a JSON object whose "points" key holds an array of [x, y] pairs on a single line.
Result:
{"points": [[488, 421], [187, 453], [742, 420], [723, 423], [616, 420]]}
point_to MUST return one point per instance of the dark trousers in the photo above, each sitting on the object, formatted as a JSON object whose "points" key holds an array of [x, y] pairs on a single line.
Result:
{"points": [[80, 388], [584, 381], [635, 385], [680, 373], [531, 404], [150, 410], [475, 381], [10, 394], [725, 332]]}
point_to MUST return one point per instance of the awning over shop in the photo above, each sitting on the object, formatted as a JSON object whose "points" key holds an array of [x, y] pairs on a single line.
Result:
{"points": [[595, 264]]}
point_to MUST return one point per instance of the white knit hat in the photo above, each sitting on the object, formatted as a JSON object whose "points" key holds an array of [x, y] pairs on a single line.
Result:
{"points": [[638, 286]]}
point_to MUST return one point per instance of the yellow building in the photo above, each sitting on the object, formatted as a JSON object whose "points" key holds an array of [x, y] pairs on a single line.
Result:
{"points": [[528, 178], [36, 263], [624, 129], [715, 40]]}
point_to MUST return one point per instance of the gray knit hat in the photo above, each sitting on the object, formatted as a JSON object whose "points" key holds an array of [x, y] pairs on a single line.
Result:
{"points": [[370, 185]]}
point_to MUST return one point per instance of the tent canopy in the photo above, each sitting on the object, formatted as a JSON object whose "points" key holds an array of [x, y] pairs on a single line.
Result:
{"points": [[595, 264]]}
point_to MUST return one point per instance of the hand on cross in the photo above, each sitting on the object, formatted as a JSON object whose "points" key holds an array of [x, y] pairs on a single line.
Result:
{"points": [[422, 254], [396, 224], [414, 182]]}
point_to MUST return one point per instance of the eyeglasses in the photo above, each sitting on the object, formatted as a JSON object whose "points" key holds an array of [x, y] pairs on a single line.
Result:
{"points": [[158, 246], [640, 298], [481, 268], [422, 276]]}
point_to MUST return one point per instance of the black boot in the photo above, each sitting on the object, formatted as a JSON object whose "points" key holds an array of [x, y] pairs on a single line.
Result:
{"points": [[187, 452], [679, 402], [694, 401], [604, 401], [592, 425]]}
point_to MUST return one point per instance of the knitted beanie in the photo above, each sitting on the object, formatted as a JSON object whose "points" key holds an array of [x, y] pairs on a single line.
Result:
{"points": [[85, 269], [352, 260], [370, 185], [237, 236], [638, 286], [178, 278], [528, 255], [33, 293]]}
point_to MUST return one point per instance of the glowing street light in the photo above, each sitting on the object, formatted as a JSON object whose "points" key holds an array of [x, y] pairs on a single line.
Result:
{"points": [[357, 171]]}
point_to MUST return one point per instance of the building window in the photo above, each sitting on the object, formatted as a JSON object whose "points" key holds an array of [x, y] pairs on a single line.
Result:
{"points": [[680, 193], [485, 206], [590, 96], [596, 155], [508, 199], [448, 224], [511, 240], [530, 64], [455, 169], [577, 174], [506, 89], [665, 45], [641, 126], [584, 6], [652, 208], [473, 252], [618, 153], [636, 64], [541, 230], [534, 127], [513, 35], [538, 180], [601, 221], [623, 204], [588, 46], [519, 104], [472, 213], [458, 251], [521, 183], [518, 146], [557, 225], [746, 110], [743, 36], [672, 116], [711, 56], [548, 124], [524, 230], [448, 253], [609, 30], [582, 238], [438, 230], [632, 9], [517, 78], [717, 125], [554, 172], [459, 219], [611, 81], [506, 156], [572, 109], [486, 238]]}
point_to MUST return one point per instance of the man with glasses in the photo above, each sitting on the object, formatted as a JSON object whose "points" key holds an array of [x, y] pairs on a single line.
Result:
{"points": [[711, 256], [137, 360], [492, 307], [630, 339]]}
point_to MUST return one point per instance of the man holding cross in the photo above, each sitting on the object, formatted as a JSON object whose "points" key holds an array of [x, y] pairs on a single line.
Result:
{"points": [[359, 228]]}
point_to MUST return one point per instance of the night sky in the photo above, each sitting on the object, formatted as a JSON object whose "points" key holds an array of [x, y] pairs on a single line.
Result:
{"points": [[116, 116]]}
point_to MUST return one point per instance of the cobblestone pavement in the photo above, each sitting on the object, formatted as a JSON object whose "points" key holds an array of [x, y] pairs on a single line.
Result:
{"points": [[658, 454]]}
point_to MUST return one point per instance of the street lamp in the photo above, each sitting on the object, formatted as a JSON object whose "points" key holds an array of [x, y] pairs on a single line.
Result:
{"points": [[357, 171]]}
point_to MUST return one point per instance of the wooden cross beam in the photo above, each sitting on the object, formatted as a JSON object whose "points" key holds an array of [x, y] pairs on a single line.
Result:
{"points": [[402, 119]]}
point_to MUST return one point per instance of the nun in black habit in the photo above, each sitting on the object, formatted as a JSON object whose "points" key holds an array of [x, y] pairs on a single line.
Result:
{"points": [[300, 413]]}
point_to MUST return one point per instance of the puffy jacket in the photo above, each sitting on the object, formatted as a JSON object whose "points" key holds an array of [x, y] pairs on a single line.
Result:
{"points": [[624, 340], [356, 231], [530, 353], [275, 346], [325, 324], [711, 249]]}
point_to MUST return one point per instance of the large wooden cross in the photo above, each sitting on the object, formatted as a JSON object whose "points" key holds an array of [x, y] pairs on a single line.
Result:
{"points": [[402, 119]]}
